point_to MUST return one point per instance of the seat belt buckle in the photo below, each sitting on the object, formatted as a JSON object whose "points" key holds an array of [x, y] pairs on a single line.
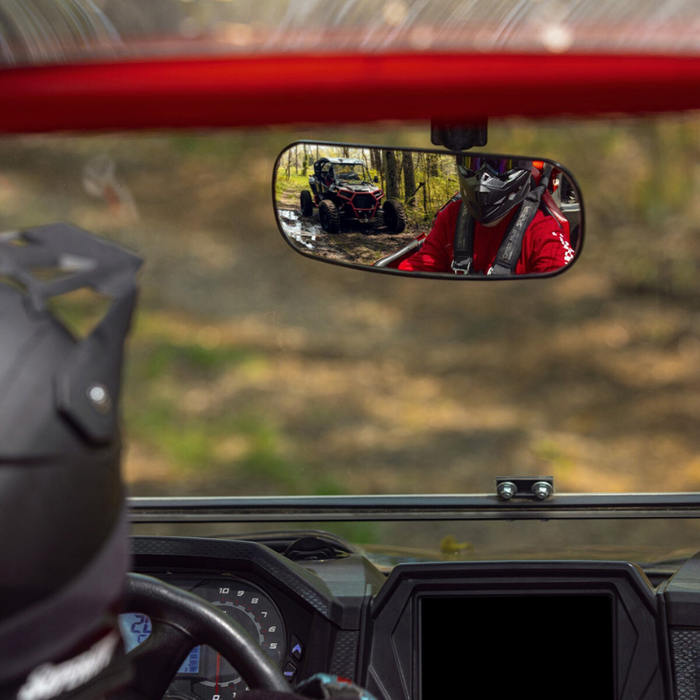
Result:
{"points": [[462, 268]]}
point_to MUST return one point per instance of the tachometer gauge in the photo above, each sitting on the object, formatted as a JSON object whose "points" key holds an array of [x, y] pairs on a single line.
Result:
{"points": [[259, 616], [204, 675]]}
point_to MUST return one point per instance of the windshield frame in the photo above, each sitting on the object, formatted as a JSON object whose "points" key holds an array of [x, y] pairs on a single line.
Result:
{"points": [[566, 506], [365, 177]]}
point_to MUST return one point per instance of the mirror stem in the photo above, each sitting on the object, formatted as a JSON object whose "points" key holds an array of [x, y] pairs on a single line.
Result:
{"points": [[459, 137]]}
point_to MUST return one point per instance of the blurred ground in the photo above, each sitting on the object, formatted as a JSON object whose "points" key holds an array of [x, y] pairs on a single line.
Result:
{"points": [[254, 370]]}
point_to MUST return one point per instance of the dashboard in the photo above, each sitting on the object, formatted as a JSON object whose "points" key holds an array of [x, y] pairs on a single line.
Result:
{"points": [[431, 630]]}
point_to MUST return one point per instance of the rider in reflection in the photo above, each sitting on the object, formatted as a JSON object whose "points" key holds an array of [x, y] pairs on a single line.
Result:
{"points": [[502, 222]]}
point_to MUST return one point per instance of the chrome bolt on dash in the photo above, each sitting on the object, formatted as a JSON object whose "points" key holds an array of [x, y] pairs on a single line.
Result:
{"points": [[542, 490], [506, 490]]}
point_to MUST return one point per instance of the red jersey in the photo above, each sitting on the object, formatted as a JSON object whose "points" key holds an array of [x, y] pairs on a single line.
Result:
{"points": [[545, 246]]}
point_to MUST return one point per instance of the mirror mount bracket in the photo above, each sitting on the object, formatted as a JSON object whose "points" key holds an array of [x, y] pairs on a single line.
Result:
{"points": [[534, 487], [459, 137]]}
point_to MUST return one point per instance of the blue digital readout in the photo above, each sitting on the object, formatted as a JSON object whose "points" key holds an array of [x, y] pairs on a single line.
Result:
{"points": [[191, 663], [135, 629]]}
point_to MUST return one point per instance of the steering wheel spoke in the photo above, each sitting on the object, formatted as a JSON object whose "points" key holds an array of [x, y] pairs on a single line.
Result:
{"points": [[181, 621], [157, 660]]}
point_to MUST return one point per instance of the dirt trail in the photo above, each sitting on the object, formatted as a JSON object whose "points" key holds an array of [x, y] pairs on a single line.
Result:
{"points": [[364, 246], [356, 242]]}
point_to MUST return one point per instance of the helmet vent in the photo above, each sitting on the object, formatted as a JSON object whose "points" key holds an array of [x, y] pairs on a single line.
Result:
{"points": [[80, 311], [89, 285], [15, 284]]}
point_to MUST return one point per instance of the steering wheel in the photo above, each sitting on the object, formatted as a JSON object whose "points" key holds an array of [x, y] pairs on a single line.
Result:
{"points": [[180, 621]]}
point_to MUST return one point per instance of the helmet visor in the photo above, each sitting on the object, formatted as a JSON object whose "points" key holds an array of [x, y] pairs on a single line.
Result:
{"points": [[469, 166]]}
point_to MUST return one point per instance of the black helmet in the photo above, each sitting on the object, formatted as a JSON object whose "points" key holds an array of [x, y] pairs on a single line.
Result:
{"points": [[64, 546], [490, 188]]}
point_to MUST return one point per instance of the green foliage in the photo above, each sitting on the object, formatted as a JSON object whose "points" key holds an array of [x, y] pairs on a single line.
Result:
{"points": [[435, 177], [170, 410], [156, 422], [259, 462], [165, 358], [294, 181], [356, 533]]}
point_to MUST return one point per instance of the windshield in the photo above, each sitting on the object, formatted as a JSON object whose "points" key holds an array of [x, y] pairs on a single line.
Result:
{"points": [[111, 29], [354, 174], [252, 371]]}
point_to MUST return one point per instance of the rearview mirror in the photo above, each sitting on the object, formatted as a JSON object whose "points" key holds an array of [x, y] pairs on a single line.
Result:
{"points": [[433, 213]]}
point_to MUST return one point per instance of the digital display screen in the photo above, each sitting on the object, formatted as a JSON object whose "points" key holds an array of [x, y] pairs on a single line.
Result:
{"points": [[136, 628], [512, 646]]}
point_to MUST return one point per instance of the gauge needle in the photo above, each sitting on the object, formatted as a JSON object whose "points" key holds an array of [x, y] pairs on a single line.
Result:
{"points": [[218, 666]]}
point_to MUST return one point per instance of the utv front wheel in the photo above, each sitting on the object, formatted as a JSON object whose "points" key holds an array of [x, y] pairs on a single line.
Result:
{"points": [[330, 218], [306, 203], [394, 216]]}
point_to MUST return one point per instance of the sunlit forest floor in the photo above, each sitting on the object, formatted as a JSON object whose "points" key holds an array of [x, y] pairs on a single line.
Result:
{"points": [[256, 371]]}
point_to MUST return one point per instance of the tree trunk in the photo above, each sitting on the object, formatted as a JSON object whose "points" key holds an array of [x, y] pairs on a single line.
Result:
{"points": [[392, 176], [432, 172], [409, 178], [375, 158], [428, 200], [377, 165]]}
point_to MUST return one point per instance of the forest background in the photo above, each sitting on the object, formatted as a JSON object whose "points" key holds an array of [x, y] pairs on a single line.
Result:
{"points": [[423, 182], [253, 370]]}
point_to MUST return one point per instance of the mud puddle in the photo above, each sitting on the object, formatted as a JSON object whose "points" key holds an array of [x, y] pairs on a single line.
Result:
{"points": [[356, 243]]}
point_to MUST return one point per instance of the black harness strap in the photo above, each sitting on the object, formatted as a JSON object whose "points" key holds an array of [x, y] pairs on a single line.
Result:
{"points": [[463, 254], [512, 245]]}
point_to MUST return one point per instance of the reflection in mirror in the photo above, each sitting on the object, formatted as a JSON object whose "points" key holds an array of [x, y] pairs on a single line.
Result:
{"points": [[428, 211]]}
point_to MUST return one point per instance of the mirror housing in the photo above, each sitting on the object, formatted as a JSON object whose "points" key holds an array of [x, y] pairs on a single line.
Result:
{"points": [[427, 212]]}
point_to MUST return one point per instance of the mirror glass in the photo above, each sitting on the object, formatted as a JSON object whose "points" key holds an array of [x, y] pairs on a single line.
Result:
{"points": [[428, 212]]}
